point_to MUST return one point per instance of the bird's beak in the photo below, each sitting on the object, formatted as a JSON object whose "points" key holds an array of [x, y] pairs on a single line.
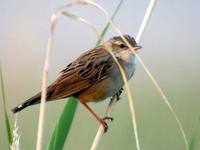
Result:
{"points": [[137, 47]]}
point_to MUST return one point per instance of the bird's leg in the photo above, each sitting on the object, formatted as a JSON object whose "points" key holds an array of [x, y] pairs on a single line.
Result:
{"points": [[101, 121], [118, 94]]}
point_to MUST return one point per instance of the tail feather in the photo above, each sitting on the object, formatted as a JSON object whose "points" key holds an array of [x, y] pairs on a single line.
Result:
{"points": [[32, 101]]}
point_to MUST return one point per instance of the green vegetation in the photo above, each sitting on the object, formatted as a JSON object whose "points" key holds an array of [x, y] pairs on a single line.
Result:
{"points": [[195, 136], [7, 122]]}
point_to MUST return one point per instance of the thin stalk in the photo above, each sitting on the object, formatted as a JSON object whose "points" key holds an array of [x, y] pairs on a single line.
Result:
{"points": [[44, 87], [7, 121], [108, 24], [99, 134], [145, 20], [155, 83]]}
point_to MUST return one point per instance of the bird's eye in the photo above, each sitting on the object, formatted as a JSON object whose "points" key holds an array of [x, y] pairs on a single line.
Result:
{"points": [[122, 45]]}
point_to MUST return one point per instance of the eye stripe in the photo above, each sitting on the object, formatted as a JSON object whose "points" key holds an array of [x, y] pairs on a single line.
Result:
{"points": [[118, 42]]}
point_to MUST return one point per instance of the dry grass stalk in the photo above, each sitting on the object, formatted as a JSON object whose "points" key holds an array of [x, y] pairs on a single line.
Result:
{"points": [[44, 87]]}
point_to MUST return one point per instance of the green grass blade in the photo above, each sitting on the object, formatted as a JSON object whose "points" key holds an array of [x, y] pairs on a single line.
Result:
{"points": [[7, 122], [195, 137], [108, 24], [61, 130]]}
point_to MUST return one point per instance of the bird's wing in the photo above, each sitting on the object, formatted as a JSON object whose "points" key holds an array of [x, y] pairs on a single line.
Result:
{"points": [[90, 68]]}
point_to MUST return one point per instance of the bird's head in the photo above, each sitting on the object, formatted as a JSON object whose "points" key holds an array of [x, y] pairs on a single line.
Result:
{"points": [[117, 43]]}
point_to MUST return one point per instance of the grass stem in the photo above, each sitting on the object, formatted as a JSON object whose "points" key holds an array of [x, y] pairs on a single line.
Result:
{"points": [[44, 87], [6, 116]]}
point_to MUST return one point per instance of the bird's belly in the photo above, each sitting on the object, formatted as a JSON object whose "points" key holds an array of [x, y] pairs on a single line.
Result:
{"points": [[105, 88], [100, 91], [109, 86]]}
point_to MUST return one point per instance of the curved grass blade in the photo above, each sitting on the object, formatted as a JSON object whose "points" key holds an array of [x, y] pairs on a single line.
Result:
{"points": [[60, 135], [62, 128], [7, 122]]}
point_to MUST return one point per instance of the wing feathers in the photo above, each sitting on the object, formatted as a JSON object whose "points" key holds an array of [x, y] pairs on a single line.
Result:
{"points": [[90, 68]]}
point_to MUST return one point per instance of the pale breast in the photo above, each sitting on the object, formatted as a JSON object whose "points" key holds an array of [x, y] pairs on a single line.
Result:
{"points": [[128, 62], [111, 85]]}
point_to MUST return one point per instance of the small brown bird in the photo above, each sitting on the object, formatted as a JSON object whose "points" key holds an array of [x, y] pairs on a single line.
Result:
{"points": [[92, 77]]}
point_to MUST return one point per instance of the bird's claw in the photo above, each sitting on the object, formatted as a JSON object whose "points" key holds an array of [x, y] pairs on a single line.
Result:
{"points": [[108, 118], [105, 125]]}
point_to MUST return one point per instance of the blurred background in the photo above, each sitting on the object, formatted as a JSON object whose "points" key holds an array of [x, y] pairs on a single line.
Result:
{"points": [[171, 50]]}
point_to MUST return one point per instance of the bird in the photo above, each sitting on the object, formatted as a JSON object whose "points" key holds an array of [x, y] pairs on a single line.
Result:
{"points": [[93, 76]]}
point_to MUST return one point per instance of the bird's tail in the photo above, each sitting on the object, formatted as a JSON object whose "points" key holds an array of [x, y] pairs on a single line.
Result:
{"points": [[32, 101]]}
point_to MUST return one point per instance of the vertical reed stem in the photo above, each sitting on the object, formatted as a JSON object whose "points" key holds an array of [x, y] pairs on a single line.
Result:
{"points": [[44, 87]]}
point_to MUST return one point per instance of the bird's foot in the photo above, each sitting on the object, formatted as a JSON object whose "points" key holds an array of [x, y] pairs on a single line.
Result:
{"points": [[105, 125], [108, 118]]}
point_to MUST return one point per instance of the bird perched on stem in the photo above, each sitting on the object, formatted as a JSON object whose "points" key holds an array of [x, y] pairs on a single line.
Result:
{"points": [[93, 76]]}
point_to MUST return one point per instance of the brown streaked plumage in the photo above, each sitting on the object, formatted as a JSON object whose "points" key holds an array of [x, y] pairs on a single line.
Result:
{"points": [[92, 77]]}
